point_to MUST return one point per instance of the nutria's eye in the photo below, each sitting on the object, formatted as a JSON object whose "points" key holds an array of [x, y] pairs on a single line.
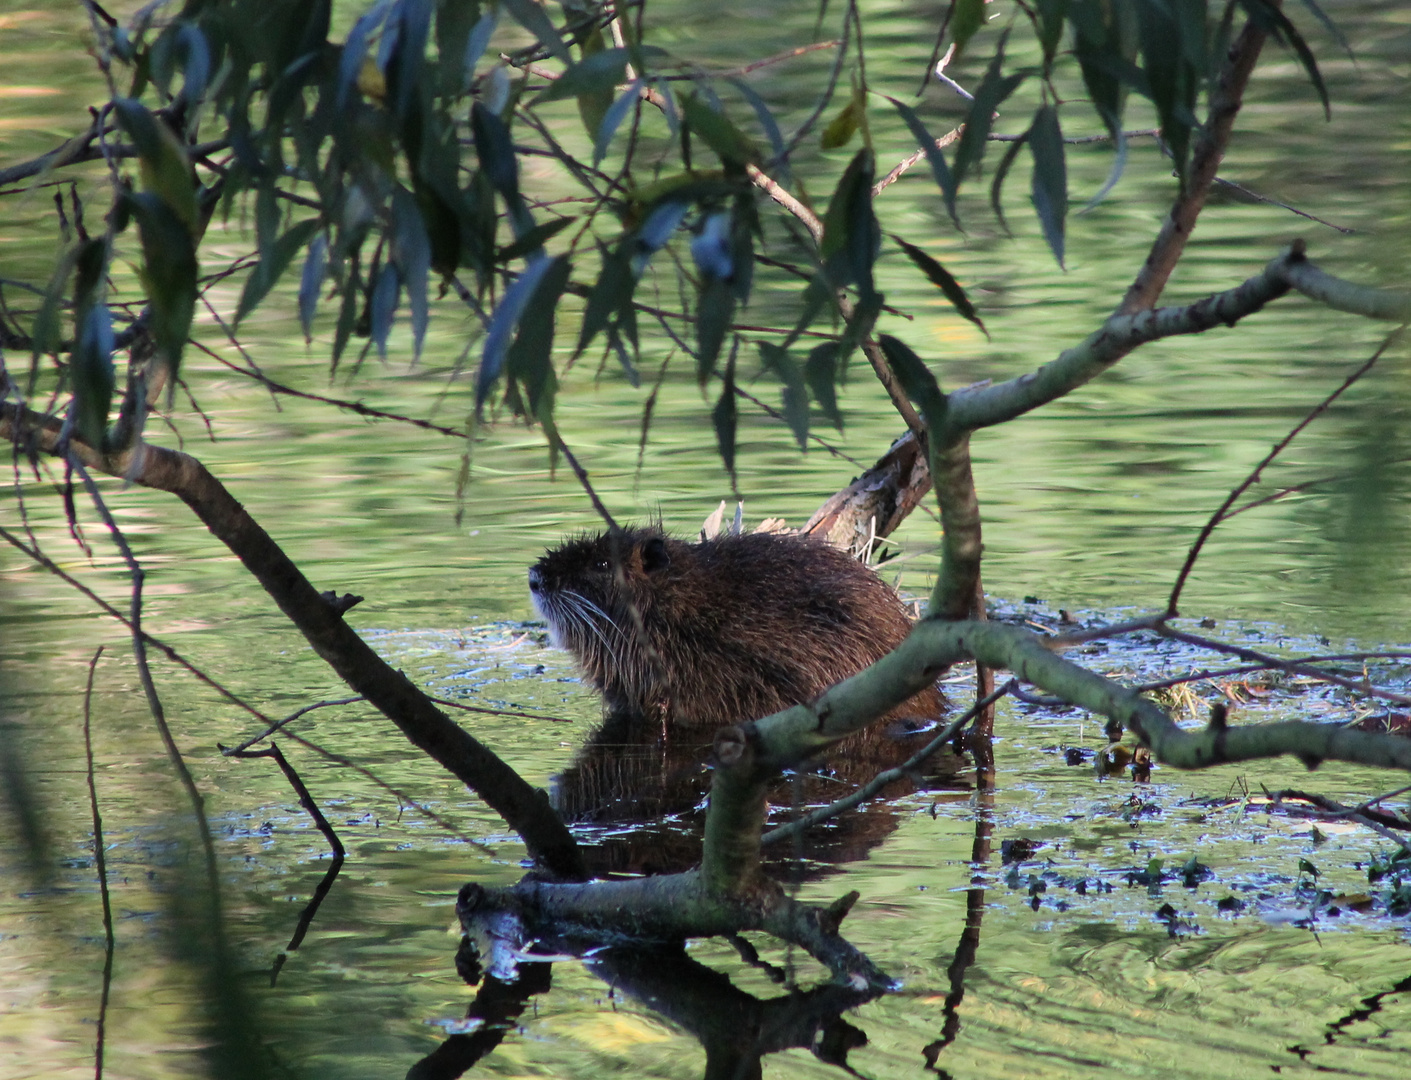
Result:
{"points": [[654, 555]]}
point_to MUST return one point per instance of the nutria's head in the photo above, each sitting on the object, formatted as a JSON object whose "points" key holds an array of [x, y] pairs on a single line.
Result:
{"points": [[595, 592]]}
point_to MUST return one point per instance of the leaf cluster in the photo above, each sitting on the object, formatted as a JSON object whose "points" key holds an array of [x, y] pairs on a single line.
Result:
{"points": [[391, 167]]}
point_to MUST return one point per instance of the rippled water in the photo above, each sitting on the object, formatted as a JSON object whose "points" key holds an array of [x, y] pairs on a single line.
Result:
{"points": [[1089, 507]]}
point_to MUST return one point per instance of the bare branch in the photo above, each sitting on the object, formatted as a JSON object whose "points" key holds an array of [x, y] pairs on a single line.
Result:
{"points": [[1258, 470]]}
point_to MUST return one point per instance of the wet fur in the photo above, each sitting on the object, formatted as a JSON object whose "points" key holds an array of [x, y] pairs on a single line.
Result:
{"points": [[718, 632]]}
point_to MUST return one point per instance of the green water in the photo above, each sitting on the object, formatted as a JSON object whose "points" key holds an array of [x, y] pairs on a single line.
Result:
{"points": [[1089, 506]]}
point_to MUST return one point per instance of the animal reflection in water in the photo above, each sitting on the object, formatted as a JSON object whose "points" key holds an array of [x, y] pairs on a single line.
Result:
{"points": [[682, 639]]}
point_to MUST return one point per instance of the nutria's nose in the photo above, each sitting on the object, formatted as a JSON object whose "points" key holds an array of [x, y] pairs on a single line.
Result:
{"points": [[535, 579]]}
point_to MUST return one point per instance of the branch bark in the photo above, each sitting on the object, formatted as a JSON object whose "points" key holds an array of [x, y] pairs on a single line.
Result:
{"points": [[1226, 97], [788, 737]]}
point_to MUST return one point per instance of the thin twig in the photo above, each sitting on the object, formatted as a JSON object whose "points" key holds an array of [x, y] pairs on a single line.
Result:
{"points": [[1265, 660], [278, 725], [306, 800], [1254, 475], [501, 712], [833, 75], [100, 861], [1249, 669], [341, 403], [557, 440], [403, 799], [1294, 489]]}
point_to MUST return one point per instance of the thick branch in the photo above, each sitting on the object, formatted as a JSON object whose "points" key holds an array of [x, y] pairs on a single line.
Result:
{"points": [[525, 808], [795, 734], [1391, 304], [668, 908], [954, 595], [985, 406]]}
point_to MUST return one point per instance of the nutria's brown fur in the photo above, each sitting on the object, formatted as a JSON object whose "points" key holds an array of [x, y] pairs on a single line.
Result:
{"points": [[719, 632]]}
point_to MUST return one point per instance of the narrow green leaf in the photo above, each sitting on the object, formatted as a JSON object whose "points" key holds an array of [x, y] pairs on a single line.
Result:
{"points": [[411, 251], [454, 23], [720, 134], [858, 328], [842, 127], [820, 372], [386, 291], [724, 418], [945, 179], [530, 357], [713, 313], [594, 104], [495, 150], [609, 294], [942, 279], [503, 321], [354, 52], [744, 226], [626, 327], [1171, 82], [477, 42], [1119, 163], [45, 336], [767, 123], [310, 282], [166, 170], [1050, 181], [169, 272], [93, 374], [404, 70], [272, 265], [1001, 172], [795, 391], [966, 17], [1051, 18], [915, 377], [597, 73], [994, 88], [196, 55], [267, 217], [612, 119], [533, 240], [347, 318], [1275, 22], [1328, 25], [851, 237], [530, 15]]}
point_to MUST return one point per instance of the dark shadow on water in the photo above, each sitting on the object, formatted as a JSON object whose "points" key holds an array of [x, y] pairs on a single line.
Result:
{"points": [[635, 795]]}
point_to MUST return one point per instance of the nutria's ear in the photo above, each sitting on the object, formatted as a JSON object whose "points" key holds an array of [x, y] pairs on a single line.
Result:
{"points": [[654, 554]]}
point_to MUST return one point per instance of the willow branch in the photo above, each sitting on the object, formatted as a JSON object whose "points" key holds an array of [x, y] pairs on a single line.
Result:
{"points": [[984, 406], [1226, 97], [796, 734]]}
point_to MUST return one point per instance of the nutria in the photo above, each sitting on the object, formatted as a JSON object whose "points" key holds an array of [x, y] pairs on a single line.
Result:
{"points": [[720, 632]]}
